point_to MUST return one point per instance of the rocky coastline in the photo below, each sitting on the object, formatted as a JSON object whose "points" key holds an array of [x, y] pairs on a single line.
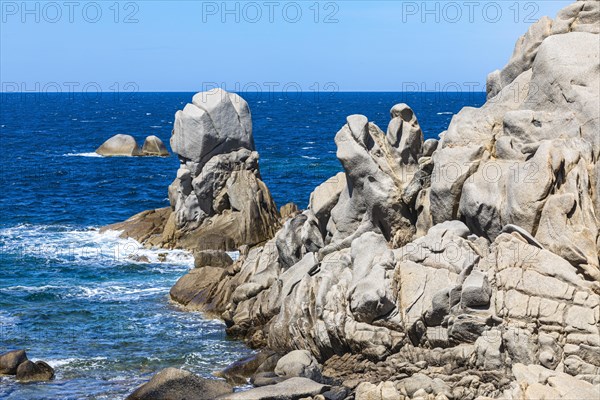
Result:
{"points": [[460, 268]]}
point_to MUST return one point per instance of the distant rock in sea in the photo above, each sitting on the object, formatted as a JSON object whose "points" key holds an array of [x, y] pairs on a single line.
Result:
{"points": [[153, 146], [126, 146], [119, 146], [455, 269]]}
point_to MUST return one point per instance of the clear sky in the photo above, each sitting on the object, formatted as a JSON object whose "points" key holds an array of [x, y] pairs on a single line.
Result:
{"points": [[260, 46]]}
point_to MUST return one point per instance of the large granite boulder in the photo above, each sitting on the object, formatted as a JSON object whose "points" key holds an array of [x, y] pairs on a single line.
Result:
{"points": [[119, 145], [218, 200], [176, 384]]}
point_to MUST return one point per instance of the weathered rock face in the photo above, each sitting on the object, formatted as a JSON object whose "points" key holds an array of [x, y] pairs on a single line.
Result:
{"points": [[119, 145], [529, 156], [218, 200], [458, 259]]}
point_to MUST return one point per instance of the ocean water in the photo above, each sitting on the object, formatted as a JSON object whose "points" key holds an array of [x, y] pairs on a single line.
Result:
{"points": [[79, 299]]}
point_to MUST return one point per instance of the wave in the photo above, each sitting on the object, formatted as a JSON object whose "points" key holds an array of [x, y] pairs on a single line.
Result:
{"points": [[88, 246], [103, 292], [76, 363], [310, 157], [93, 154], [445, 113]]}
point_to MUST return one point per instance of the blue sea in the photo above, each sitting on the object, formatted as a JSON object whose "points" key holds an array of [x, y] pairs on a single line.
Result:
{"points": [[78, 299]]}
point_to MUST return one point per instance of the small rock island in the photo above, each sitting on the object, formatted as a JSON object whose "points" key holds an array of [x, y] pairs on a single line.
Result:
{"points": [[126, 146]]}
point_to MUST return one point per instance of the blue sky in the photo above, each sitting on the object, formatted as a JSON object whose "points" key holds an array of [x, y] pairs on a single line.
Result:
{"points": [[260, 46]]}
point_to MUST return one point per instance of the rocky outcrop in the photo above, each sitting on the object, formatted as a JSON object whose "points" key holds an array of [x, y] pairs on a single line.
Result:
{"points": [[173, 383], [119, 145], [218, 200], [442, 266]]}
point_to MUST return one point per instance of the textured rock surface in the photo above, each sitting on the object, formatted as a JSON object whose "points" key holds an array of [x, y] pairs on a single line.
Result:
{"points": [[290, 389], [173, 383], [298, 363], [28, 371], [153, 146], [453, 269], [10, 360], [218, 200], [119, 145]]}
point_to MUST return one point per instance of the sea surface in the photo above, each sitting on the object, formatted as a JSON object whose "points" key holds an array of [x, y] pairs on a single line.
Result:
{"points": [[78, 299]]}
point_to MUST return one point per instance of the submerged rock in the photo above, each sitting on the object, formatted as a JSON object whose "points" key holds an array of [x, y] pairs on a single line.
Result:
{"points": [[119, 145], [173, 383]]}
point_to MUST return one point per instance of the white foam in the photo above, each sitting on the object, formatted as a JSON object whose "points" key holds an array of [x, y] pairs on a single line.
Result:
{"points": [[7, 319], [64, 244], [310, 157], [93, 154], [114, 293], [62, 362], [445, 113]]}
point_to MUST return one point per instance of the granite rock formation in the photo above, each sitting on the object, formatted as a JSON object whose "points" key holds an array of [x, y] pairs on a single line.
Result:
{"points": [[460, 268], [218, 200]]}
